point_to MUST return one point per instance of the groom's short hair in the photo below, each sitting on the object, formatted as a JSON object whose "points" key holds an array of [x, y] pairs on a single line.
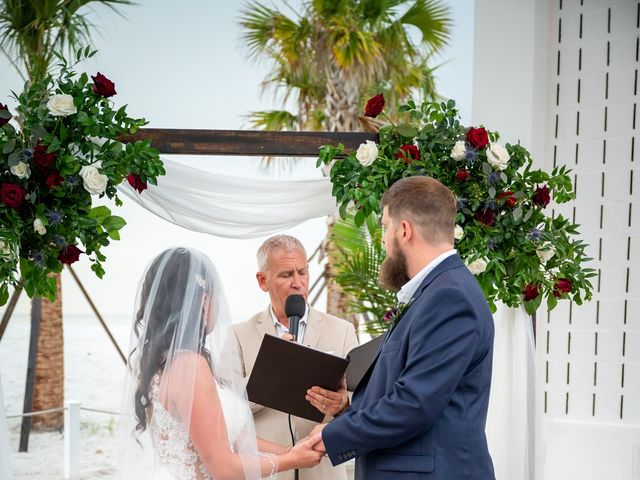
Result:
{"points": [[426, 203], [277, 243]]}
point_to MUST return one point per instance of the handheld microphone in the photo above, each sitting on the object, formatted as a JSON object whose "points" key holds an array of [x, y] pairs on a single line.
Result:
{"points": [[294, 308]]}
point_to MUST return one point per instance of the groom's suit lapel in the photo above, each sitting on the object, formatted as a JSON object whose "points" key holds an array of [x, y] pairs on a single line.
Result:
{"points": [[448, 263]]}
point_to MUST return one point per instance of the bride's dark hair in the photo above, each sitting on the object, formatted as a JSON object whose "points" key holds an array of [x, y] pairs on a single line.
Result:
{"points": [[161, 315]]}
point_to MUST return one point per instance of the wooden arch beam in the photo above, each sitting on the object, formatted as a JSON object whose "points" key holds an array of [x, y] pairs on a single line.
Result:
{"points": [[247, 142]]}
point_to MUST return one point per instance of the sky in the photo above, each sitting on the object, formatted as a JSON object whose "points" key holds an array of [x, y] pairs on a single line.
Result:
{"points": [[183, 65]]}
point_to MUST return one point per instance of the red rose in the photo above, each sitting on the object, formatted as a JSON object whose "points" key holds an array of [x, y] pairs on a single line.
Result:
{"points": [[408, 153], [462, 175], [478, 137], [43, 160], [69, 254], [561, 287], [12, 195], [374, 106], [541, 196], [530, 292], [509, 199], [485, 216], [136, 182], [3, 120], [103, 86], [53, 179]]}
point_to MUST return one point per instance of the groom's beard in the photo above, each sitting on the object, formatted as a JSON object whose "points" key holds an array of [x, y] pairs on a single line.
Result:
{"points": [[393, 270]]}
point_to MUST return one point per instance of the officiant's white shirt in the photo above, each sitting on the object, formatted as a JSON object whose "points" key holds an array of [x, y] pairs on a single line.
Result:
{"points": [[409, 288], [302, 326]]}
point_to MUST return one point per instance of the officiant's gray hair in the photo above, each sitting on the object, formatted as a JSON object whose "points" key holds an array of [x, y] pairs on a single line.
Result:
{"points": [[275, 244]]}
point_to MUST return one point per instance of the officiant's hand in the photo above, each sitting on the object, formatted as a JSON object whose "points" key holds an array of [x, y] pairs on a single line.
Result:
{"points": [[287, 336], [329, 402]]}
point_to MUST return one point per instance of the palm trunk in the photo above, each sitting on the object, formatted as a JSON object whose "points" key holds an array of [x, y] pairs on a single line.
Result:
{"points": [[341, 112], [49, 383]]}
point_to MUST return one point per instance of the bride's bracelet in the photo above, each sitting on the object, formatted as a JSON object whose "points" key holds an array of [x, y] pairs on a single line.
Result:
{"points": [[273, 464]]}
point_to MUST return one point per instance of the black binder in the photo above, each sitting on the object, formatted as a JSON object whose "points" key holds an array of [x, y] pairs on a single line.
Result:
{"points": [[284, 371], [360, 359]]}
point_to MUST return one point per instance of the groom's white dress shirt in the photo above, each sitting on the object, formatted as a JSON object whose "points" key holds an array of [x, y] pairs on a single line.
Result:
{"points": [[408, 289]]}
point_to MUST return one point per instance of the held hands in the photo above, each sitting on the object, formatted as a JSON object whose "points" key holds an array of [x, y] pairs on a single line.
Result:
{"points": [[304, 455], [316, 436], [327, 401]]}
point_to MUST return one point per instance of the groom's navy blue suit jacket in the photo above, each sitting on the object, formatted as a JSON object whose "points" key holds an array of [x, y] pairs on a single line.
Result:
{"points": [[420, 411]]}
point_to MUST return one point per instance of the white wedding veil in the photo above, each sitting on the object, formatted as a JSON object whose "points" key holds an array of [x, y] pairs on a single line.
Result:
{"points": [[185, 411]]}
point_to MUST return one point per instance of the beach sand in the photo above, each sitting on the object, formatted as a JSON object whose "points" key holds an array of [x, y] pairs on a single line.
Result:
{"points": [[93, 377]]}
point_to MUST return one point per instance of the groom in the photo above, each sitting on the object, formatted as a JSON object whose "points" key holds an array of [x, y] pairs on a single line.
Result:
{"points": [[420, 411]]}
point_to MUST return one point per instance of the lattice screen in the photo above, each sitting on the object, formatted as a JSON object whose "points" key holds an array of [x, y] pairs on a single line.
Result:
{"points": [[591, 356]]}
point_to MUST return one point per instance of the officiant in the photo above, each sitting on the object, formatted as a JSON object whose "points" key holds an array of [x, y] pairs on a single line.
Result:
{"points": [[283, 271]]}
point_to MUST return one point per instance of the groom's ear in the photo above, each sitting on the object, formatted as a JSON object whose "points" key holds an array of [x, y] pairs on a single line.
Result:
{"points": [[262, 281]]}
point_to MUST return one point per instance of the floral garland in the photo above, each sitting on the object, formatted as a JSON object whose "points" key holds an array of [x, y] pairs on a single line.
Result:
{"points": [[506, 232], [62, 151]]}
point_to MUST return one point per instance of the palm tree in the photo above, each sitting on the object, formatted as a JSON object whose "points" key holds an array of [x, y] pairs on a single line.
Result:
{"points": [[32, 34], [334, 54]]}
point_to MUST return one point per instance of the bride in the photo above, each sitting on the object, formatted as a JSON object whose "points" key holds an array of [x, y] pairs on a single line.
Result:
{"points": [[186, 412]]}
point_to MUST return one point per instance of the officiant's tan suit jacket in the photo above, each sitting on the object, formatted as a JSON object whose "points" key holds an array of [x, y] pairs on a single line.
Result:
{"points": [[323, 332]]}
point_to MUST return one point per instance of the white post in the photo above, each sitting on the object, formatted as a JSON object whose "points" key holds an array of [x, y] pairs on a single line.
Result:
{"points": [[5, 469], [71, 439]]}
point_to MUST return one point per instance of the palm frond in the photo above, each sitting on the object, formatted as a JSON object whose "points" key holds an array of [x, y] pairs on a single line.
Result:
{"points": [[432, 18], [273, 120]]}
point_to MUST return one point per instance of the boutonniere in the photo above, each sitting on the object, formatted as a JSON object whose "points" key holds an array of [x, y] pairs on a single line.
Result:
{"points": [[393, 315]]}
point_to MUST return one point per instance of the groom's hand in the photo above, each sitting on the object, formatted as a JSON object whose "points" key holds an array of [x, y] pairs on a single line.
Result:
{"points": [[327, 401], [316, 436]]}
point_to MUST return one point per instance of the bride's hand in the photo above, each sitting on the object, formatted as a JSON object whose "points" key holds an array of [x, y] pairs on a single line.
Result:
{"points": [[302, 455]]}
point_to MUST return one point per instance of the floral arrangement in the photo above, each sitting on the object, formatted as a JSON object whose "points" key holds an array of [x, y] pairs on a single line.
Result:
{"points": [[506, 232], [57, 153]]}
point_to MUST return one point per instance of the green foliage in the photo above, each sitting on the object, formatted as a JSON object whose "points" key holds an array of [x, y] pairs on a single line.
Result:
{"points": [[60, 161], [357, 265], [505, 231]]}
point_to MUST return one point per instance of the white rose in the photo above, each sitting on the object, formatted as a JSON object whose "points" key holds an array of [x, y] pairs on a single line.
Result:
{"points": [[21, 170], [477, 266], [497, 156], [459, 150], [367, 152], [458, 232], [61, 105], [545, 253], [94, 182], [39, 227]]}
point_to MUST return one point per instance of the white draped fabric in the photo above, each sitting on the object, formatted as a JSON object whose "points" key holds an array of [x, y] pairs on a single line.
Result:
{"points": [[5, 470], [233, 207], [236, 207], [511, 420]]}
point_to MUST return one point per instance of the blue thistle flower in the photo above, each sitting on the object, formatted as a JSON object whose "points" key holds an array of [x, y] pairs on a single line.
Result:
{"points": [[59, 241], [535, 234], [491, 205], [492, 244], [72, 180], [39, 259], [493, 178], [55, 217], [461, 203], [470, 154], [27, 153]]}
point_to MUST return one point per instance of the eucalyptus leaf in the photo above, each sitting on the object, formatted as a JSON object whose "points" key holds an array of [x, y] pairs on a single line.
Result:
{"points": [[9, 146], [14, 159], [407, 130]]}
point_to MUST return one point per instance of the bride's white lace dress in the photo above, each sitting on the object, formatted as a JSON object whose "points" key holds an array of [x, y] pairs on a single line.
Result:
{"points": [[169, 436]]}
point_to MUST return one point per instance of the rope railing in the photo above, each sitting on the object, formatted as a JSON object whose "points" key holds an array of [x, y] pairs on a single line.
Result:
{"points": [[59, 409]]}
